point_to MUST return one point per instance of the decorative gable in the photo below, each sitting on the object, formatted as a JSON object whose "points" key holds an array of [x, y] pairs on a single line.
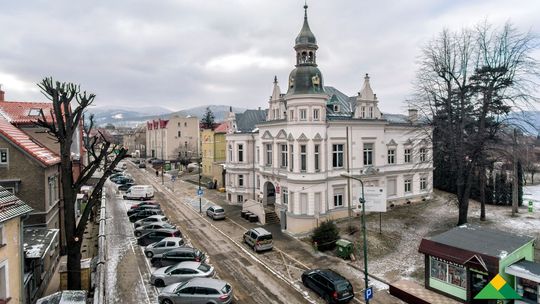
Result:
{"points": [[282, 134], [317, 137], [290, 138], [408, 142], [392, 143], [303, 137], [267, 135]]}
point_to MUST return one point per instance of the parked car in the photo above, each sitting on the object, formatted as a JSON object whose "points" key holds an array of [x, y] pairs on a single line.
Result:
{"points": [[198, 290], [180, 272], [329, 284], [175, 256], [167, 244], [215, 212], [121, 175], [157, 235], [143, 207], [151, 219], [142, 165], [144, 203], [142, 192], [143, 214], [125, 187], [123, 180], [137, 161], [149, 228], [259, 239]]}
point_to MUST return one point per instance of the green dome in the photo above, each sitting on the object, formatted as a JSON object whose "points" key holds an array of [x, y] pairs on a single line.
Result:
{"points": [[305, 79]]}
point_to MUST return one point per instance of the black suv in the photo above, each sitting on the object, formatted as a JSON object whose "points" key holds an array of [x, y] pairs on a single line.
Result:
{"points": [[328, 284], [157, 235], [143, 207], [178, 255], [144, 214]]}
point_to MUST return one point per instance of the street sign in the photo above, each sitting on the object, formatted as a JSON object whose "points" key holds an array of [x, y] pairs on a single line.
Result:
{"points": [[199, 192], [531, 208], [368, 294], [375, 199]]}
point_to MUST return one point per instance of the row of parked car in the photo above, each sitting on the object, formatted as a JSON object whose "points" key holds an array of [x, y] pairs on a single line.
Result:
{"points": [[182, 271]]}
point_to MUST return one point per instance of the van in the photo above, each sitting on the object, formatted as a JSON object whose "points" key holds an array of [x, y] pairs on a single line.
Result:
{"points": [[259, 239], [140, 192]]}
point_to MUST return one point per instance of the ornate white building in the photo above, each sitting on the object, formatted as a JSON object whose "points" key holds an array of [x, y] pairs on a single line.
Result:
{"points": [[292, 162]]}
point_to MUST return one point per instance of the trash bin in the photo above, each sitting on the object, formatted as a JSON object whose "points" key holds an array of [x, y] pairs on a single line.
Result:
{"points": [[344, 248]]}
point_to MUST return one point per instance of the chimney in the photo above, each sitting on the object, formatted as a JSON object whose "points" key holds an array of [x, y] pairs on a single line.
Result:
{"points": [[413, 115], [2, 93]]}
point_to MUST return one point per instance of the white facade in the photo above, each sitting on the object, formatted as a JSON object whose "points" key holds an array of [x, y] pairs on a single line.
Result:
{"points": [[292, 163], [166, 139]]}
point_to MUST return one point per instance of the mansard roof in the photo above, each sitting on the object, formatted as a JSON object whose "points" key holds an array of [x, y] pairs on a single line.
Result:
{"points": [[245, 122]]}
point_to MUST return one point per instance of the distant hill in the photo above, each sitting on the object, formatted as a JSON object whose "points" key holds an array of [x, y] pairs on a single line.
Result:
{"points": [[135, 116]]}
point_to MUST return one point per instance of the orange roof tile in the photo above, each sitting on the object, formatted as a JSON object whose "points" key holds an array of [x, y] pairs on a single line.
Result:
{"points": [[19, 112]]}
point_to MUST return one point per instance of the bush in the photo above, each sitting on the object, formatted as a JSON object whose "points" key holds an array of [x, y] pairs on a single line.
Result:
{"points": [[325, 236]]}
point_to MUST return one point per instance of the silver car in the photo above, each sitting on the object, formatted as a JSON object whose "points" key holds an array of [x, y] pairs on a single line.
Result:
{"points": [[198, 290], [151, 227], [215, 212], [259, 239], [158, 248], [153, 219], [180, 272]]}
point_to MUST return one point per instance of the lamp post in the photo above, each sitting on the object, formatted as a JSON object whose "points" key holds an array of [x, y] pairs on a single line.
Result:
{"points": [[199, 169], [363, 202]]}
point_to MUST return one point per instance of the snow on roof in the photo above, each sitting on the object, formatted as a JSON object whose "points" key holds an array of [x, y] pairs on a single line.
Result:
{"points": [[20, 112], [37, 241], [22, 140], [65, 297]]}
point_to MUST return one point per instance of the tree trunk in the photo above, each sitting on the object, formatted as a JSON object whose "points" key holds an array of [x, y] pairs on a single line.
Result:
{"points": [[74, 264], [482, 192], [515, 190]]}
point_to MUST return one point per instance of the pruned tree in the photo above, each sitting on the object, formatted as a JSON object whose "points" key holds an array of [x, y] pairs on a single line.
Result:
{"points": [[69, 105], [208, 119], [467, 83]]}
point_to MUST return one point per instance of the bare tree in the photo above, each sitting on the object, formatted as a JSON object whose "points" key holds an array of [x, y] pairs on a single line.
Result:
{"points": [[65, 123], [466, 82]]}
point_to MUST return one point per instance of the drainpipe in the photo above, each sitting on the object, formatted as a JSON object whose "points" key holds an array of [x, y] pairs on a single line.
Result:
{"points": [[253, 155], [348, 179]]}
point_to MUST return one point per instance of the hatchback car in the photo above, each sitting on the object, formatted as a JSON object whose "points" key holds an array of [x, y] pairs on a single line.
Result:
{"points": [[143, 207], [199, 290], [259, 239], [125, 187], [142, 165], [157, 235], [215, 212], [152, 227], [144, 203], [151, 220], [328, 284], [167, 244], [175, 256], [180, 272], [143, 214]]}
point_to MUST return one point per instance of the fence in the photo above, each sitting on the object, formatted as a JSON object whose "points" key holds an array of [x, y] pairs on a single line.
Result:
{"points": [[99, 291]]}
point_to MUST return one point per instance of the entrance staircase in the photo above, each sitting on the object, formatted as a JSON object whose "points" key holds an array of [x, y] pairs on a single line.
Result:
{"points": [[271, 217]]}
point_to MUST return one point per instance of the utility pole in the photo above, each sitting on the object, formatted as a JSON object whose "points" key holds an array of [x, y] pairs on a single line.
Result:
{"points": [[515, 186], [200, 196]]}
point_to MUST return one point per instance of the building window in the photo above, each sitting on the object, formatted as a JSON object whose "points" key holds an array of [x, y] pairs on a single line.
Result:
{"points": [[258, 155], [407, 156], [408, 185], [303, 158], [179, 133], [240, 153], [240, 180], [291, 115], [179, 125], [303, 203], [258, 182], [370, 112], [423, 154], [423, 183], [185, 124], [284, 196], [338, 198], [391, 187], [268, 154], [303, 114], [368, 154], [4, 157], [336, 108], [239, 198], [284, 156], [316, 114], [363, 111], [337, 156], [4, 280], [53, 189], [291, 158], [230, 153], [2, 236], [448, 272], [391, 156], [317, 158]]}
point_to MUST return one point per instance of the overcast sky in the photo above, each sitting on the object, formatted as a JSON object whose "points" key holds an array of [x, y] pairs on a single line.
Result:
{"points": [[183, 53]]}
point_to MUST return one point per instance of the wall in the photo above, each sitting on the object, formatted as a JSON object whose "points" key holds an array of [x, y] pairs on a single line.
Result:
{"points": [[12, 254], [255, 208]]}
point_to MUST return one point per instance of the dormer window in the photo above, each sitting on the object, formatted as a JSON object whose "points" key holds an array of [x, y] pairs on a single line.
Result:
{"points": [[34, 112], [336, 108]]}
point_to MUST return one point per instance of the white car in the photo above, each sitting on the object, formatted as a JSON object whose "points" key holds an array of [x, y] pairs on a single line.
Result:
{"points": [[180, 272], [153, 219]]}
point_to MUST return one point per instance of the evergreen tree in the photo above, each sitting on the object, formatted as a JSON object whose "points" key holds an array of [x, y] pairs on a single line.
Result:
{"points": [[208, 119]]}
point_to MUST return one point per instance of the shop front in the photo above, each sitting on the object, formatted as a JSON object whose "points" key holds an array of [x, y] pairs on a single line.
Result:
{"points": [[459, 263], [527, 281]]}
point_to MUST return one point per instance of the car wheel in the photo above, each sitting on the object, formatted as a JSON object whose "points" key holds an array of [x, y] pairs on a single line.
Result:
{"points": [[159, 283], [327, 299], [149, 254], [137, 234], [167, 301], [304, 281], [125, 197]]}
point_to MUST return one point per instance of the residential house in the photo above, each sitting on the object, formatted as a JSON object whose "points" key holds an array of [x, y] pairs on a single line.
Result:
{"points": [[135, 140], [213, 145], [12, 212], [168, 138], [293, 162]]}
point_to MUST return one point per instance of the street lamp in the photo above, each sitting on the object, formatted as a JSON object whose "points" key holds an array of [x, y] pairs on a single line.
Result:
{"points": [[363, 202], [198, 193]]}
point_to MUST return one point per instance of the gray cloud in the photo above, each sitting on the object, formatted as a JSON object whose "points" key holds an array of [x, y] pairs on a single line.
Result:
{"points": [[179, 54]]}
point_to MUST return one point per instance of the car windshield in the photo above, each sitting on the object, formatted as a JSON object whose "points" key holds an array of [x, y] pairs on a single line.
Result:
{"points": [[219, 210], [226, 288], [343, 286], [203, 267]]}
